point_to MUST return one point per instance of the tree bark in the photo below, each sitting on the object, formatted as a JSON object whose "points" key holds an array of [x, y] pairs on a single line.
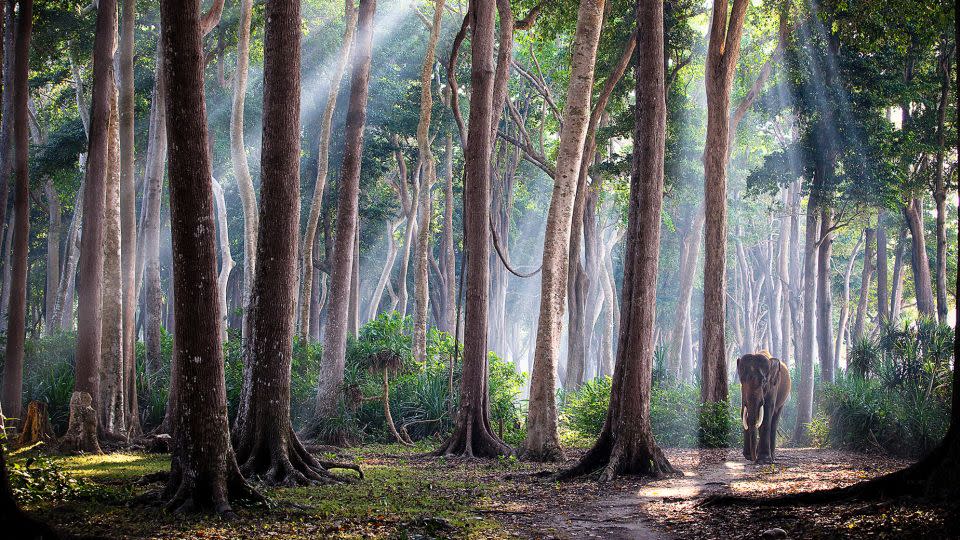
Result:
{"points": [[722, 55], [842, 328], [542, 442], [323, 159], [825, 297], [883, 287], [940, 187], [920, 263], [374, 308], [896, 289], [153, 178], [421, 262], [472, 434], [238, 157], [783, 273], [51, 324], [226, 259], [63, 308], [335, 337], [17, 310], [203, 472], [267, 446], [6, 103], [860, 321], [128, 211], [626, 445], [807, 345], [111, 411], [448, 261]]}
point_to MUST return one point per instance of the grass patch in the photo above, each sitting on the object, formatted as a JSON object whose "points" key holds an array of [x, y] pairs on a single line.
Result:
{"points": [[402, 496]]}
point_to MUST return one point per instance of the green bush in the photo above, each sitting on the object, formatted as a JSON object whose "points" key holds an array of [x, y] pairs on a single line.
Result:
{"points": [[675, 415], [48, 375], [896, 397]]}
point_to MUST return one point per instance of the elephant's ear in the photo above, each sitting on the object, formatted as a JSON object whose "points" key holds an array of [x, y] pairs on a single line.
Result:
{"points": [[739, 370], [774, 373]]}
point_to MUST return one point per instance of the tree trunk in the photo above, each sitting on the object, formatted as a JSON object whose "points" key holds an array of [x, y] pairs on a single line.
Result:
{"points": [[783, 273], [323, 158], [153, 178], [335, 337], [626, 445], [421, 262], [203, 471], [896, 290], [807, 345], [63, 307], [472, 434], [6, 118], [374, 308], [448, 261], [842, 328], [920, 263], [860, 321], [825, 297], [353, 310], [128, 211], [267, 446], [111, 410], [542, 442], [226, 259], [940, 187], [53, 256], [238, 157], [17, 311], [722, 55], [883, 287]]}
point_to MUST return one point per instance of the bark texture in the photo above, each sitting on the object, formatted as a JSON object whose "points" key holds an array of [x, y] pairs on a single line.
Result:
{"points": [[825, 297], [626, 444], [323, 159], [17, 310], [51, 324], [335, 338], [472, 434], [89, 312], [920, 262], [865, 278], [267, 446], [203, 471], [722, 54], [807, 345], [542, 442]]}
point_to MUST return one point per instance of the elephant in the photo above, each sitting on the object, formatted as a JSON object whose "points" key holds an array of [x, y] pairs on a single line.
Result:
{"points": [[764, 389]]}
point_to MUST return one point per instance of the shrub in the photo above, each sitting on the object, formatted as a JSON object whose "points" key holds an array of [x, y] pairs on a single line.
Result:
{"points": [[584, 410]]}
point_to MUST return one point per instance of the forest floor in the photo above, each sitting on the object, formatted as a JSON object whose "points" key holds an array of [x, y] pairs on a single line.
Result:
{"points": [[408, 495]]}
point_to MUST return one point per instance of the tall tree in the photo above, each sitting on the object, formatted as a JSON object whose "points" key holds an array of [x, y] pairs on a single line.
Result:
{"points": [[17, 311], [722, 54], [111, 346], [472, 434], [323, 159], [825, 296], [267, 446], [859, 325], [335, 339], [238, 157], [90, 287], [807, 342], [53, 255], [542, 442], [128, 209], [203, 471], [626, 445], [421, 276]]}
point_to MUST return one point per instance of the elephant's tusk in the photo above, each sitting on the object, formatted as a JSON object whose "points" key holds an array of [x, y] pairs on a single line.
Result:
{"points": [[760, 420], [743, 418]]}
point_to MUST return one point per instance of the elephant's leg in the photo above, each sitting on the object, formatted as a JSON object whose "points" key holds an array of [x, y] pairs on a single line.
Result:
{"points": [[775, 421], [765, 452]]}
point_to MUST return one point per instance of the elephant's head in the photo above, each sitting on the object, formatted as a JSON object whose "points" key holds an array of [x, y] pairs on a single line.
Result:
{"points": [[758, 373]]}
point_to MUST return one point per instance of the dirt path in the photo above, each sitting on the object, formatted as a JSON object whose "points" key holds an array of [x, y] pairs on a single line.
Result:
{"points": [[670, 508]]}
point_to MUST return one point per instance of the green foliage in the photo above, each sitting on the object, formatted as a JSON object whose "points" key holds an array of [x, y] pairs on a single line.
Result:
{"points": [[48, 375], [584, 410], [896, 397], [419, 392], [676, 416], [36, 478]]}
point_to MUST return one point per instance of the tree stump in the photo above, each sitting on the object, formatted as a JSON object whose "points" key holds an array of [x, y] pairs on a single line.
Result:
{"points": [[36, 426], [82, 430]]}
